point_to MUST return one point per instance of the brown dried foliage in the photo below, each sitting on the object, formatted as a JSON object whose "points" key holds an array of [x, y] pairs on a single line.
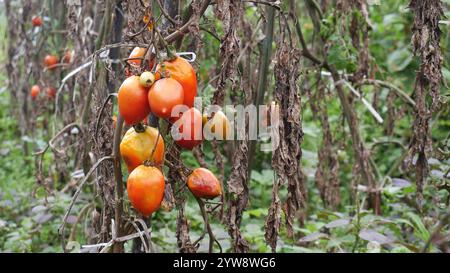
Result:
{"points": [[286, 157], [425, 41]]}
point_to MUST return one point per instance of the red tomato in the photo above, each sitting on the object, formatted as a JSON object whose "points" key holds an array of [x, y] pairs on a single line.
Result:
{"points": [[133, 101], [35, 90], [36, 21], [164, 95], [187, 130], [50, 62]]}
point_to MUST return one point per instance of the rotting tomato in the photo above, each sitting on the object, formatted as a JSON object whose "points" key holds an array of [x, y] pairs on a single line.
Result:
{"points": [[187, 130], [136, 147], [145, 187], [182, 71], [204, 184], [34, 92], [133, 101], [164, 95], [51, 92], [36, 21], [50, 61]]}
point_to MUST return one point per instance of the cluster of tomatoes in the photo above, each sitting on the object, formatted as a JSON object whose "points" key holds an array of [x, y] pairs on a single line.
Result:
{"points": [[173, 83], [51, 63]]}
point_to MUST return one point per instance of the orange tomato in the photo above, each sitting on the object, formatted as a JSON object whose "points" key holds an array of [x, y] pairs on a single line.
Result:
{"points": [[145, 187], [51, 92], [50, 61], [188, 129], [36, 21], [182, 71], [133, 103], [204, 184], [35, 90], [136, 148], [164, 95]]}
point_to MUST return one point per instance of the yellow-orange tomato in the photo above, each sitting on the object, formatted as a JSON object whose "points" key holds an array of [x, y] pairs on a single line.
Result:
{"points": [[136, 148], [145, 187], [188, 129], [50, 61], [133, 102], [51, 92], [182, 71], [137, 52], [204, 184], [164, 95], [35, 90], [218, 127], [137, 55]]}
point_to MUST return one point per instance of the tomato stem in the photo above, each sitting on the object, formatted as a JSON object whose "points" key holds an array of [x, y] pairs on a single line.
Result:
{"points": [[139, 127]]}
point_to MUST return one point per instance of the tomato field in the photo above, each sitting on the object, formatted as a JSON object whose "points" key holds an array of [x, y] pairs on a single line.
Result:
{"points": [[226, 126]]}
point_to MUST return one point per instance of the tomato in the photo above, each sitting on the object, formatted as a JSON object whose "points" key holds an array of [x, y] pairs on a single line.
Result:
{"points": [[204, 184], [67, 58], [182, 71], [50, 61], [164, 95], [187, 130], [35, 90], [139, 52], [51, 92], [133, 103], [218, 127], [147, 79], [136, 148], [36, 21], [145, 187]]}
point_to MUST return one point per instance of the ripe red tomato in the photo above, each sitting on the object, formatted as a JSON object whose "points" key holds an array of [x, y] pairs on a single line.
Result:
{"points": [[145, 187], [36, 21], [50, 62], [204, 184], [34, 92], [133, 101], [187, 130], [182, 71], [164, 95]]}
